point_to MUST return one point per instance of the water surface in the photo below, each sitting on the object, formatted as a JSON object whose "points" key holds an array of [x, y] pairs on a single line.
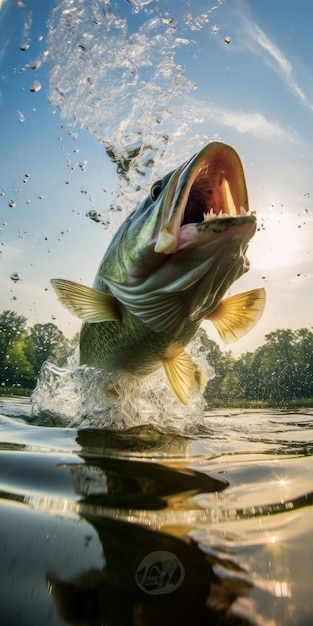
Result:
{"points": [[141, 527]]}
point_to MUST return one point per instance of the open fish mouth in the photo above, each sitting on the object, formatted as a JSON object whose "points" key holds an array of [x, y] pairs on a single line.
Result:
{"points": [[210, 186]]}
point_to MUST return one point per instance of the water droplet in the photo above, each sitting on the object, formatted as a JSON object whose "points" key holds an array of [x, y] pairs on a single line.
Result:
{"points": [[53, 317], [24, 47], [227, 39], [94, 215], [39, 38], [15, 276], [35, 64], [11, 204], [40, 196], [20, 116], [35, 86], [215, 29]]}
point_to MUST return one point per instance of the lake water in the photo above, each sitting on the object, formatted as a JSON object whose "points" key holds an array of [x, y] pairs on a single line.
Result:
{"points": [[139, 527]]}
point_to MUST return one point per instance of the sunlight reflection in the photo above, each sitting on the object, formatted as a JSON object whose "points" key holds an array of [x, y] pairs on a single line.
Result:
{"points": [[282, 589]]}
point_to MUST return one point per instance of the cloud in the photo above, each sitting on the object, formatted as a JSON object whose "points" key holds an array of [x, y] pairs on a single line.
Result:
{"points": [[253, 123], [259, 43]]}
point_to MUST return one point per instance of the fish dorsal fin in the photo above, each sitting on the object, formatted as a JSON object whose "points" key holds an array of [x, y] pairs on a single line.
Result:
{"points": [[180, 374], [235, 316], [86, 303]]}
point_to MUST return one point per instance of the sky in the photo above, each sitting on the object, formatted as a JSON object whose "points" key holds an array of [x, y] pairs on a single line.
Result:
{"points": [[76, 78]]}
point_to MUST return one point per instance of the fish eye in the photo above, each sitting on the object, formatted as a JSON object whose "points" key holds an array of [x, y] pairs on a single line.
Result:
{"points": [[156, 190]]}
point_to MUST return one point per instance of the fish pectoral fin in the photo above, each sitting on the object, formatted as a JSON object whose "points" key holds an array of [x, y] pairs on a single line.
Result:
{"points": [[235, 316], [86, 303], [180, 374]]}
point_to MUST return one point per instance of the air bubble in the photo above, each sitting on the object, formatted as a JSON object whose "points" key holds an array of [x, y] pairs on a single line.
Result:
{"points": [[11, 204], [227, 39], [215, 29], [15, 276]]}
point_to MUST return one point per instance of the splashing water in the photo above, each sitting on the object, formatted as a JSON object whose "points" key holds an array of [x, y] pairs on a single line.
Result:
{"points": [[82, 396], [118, 77]]}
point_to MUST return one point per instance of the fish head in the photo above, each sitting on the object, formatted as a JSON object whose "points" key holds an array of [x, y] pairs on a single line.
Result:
{"points": [[177, 254]]}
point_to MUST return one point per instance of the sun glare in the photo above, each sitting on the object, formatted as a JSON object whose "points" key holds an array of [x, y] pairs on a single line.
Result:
{"points": [[276, 242]]}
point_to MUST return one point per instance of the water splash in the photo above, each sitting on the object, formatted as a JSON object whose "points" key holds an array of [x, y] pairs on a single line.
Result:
{"points": [[114, 72], [82, 396]]}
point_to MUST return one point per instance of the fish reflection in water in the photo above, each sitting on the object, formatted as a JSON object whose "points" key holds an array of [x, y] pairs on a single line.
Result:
{"points": [[128, 528]]}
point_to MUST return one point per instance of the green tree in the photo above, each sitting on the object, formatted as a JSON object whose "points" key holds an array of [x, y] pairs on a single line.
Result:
{"points": [[12, 326], [14, 365], [221, 363], [18, 369], [304, 363], [46, 341]]}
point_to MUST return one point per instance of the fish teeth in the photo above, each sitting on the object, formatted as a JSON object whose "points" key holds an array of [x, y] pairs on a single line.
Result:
{"points": [[244, 212], [210, 215]]}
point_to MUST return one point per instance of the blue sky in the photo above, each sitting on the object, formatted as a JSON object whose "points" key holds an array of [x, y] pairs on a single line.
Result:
{"points": [[152, 70]]}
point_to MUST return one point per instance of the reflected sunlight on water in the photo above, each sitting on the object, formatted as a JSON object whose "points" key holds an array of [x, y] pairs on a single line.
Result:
{"points": [[216, 526]]}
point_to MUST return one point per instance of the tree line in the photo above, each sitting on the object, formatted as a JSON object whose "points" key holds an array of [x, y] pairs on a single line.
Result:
{"points": [[23, 350], [278, 371]]}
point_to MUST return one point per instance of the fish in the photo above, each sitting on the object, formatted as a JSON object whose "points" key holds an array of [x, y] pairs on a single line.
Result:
{"points": [[167, 269]]}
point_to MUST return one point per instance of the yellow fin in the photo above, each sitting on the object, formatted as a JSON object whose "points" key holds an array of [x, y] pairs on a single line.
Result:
{"points": [[180, 374], [86, 303], [235, 316]]}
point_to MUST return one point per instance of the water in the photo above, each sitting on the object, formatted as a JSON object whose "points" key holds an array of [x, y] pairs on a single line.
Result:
{"points": [[138, 526]]}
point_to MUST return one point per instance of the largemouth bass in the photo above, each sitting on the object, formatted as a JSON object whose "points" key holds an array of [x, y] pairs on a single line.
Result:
{"points": [[167, 269]]}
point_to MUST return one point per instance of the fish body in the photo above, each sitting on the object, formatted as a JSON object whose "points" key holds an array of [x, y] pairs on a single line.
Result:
{"points": [[167, 269]]}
